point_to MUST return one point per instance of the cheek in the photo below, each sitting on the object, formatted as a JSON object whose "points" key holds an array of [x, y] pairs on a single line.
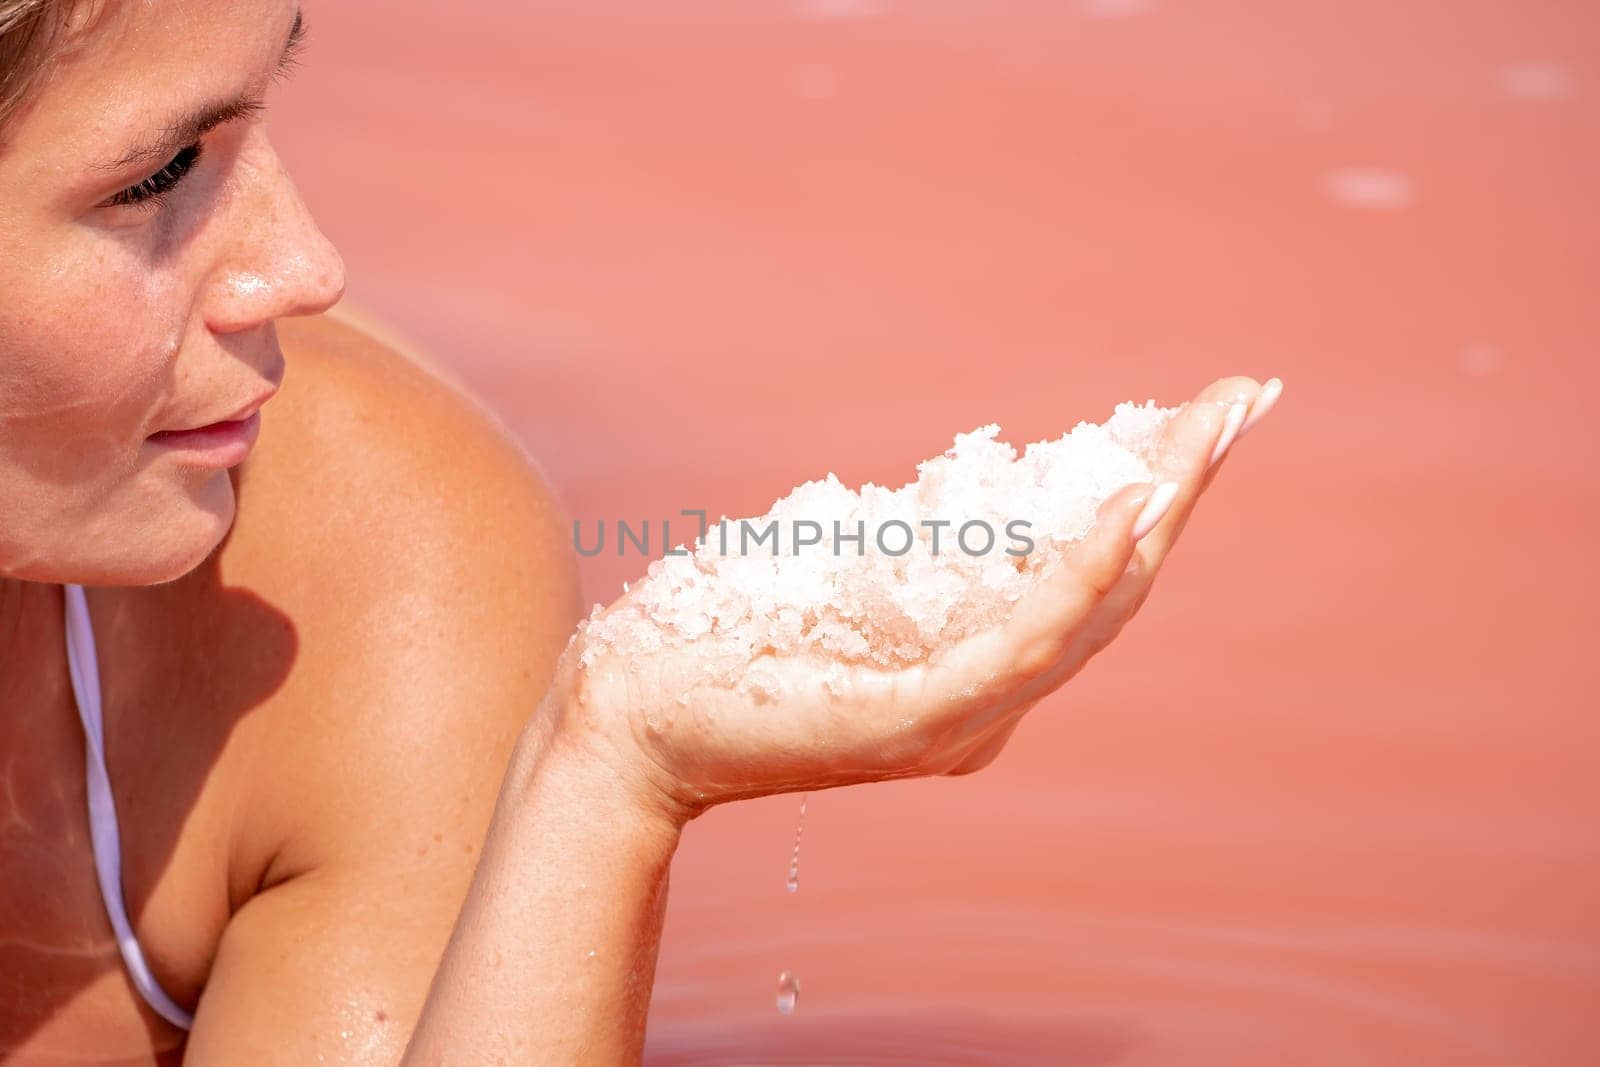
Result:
{"points": [[88, 341], [91, 343]]}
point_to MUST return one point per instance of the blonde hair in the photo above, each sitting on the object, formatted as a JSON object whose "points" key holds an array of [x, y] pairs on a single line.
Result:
{"points": [[28, 29]]}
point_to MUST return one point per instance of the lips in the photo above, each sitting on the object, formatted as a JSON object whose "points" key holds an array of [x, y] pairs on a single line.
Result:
{"points": [[239, 415], [218, 444], [221, 444]]}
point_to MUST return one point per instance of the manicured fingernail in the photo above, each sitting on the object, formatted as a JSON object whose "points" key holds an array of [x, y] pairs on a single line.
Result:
{"points": [[1258, 411], [1230, 430], [1154, 509]]}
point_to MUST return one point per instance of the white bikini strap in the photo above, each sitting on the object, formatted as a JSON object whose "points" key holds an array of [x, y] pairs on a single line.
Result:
{"points": [[84, 667]]}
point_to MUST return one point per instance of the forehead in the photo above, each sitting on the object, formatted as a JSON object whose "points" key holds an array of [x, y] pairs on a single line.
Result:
{"points": [[120, 67]]}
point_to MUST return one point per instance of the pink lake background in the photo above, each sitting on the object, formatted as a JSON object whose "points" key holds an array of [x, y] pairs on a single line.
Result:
{"points": [[1332, 798]]}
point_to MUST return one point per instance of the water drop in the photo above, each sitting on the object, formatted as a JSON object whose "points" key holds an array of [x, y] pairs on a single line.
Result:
{"points": [[794, 858], [788, 992]]}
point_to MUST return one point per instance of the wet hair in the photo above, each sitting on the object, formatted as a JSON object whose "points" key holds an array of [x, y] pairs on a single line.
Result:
{"points": [[28, 30]]}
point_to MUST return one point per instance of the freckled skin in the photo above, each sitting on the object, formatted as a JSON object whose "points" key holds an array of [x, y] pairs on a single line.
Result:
{"points": [[276, 783], [249, 698], [140, 321]]}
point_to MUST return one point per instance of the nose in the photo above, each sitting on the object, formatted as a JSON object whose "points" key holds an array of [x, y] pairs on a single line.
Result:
{"points": [[279, 262]]}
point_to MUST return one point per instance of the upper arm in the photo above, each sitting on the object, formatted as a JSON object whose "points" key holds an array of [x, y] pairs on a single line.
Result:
{"points": [[447, 587]]}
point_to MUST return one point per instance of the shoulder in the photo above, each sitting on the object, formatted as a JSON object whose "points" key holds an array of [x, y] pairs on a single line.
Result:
{"points": [[411, 583], [314, 723], [424, 564], [378, 481], [359, 422], [374, 470]]}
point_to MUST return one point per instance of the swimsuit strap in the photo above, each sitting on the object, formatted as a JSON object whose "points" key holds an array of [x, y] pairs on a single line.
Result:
{"points": [[84, 668]]}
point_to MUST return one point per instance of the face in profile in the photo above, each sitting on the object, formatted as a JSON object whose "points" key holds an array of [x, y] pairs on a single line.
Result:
{"points": [[149, 236]]}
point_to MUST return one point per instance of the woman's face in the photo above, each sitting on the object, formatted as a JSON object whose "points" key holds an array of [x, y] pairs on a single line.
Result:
{"points": [[143, 259]]}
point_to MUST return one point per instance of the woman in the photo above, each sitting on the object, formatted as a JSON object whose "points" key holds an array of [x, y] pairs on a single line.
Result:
{"points": [[348, 802]]}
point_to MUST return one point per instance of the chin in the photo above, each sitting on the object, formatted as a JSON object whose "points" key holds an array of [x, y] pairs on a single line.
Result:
{"points": [[177, 528], [197, 523], [143, 535]]}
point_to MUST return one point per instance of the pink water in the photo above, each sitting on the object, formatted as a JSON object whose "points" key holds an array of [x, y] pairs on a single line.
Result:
{"points": [[1333, 797]]}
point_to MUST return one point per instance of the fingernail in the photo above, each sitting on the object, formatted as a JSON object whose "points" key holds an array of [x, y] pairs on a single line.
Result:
{"points": [[1230, 430], [1269, 396], [1154, 509]]}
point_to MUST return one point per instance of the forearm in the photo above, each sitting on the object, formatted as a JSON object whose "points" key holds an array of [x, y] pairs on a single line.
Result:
{"points": [[553, 956]]}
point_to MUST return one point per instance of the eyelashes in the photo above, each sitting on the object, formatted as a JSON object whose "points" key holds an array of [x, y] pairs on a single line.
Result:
{"points": [[149, 192]]}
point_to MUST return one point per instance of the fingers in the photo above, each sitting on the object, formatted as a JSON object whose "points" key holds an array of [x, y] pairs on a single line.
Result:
{"points": [[1107, 576], [1258, 410], [1194, 441], [1264, 403], [1154, 509], [1230, 429], [987, 750], [983, 670], [1046, 617]]}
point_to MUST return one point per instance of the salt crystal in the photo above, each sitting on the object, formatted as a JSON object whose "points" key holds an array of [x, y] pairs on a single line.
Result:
{"points": [[938, 559]]}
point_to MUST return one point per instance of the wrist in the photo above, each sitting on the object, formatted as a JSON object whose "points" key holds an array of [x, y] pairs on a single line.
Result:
{"points": [[562, 755], [611, 772]]}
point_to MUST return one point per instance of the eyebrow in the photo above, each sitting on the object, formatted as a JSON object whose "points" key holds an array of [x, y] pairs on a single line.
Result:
{"points": [[199, 121]]}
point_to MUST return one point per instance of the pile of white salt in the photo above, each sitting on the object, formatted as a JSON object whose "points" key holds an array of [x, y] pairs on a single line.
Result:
{"points": [[880, 577]]}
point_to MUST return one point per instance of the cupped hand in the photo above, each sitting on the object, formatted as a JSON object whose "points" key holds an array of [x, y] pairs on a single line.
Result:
{"points": [[686, 743]]}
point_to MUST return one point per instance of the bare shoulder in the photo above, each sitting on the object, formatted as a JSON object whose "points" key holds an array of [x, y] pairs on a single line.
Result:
{"points": [[424, 563], [358, 421], [373, 475], [407, 581], [371, 470]]}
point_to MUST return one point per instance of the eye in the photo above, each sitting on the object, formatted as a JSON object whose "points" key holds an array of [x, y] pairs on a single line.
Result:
{"points": [[150, 191]]}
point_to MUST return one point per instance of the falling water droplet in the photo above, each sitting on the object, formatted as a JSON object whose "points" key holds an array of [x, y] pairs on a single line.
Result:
{"points": [[794, 859], [788, 992]]}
